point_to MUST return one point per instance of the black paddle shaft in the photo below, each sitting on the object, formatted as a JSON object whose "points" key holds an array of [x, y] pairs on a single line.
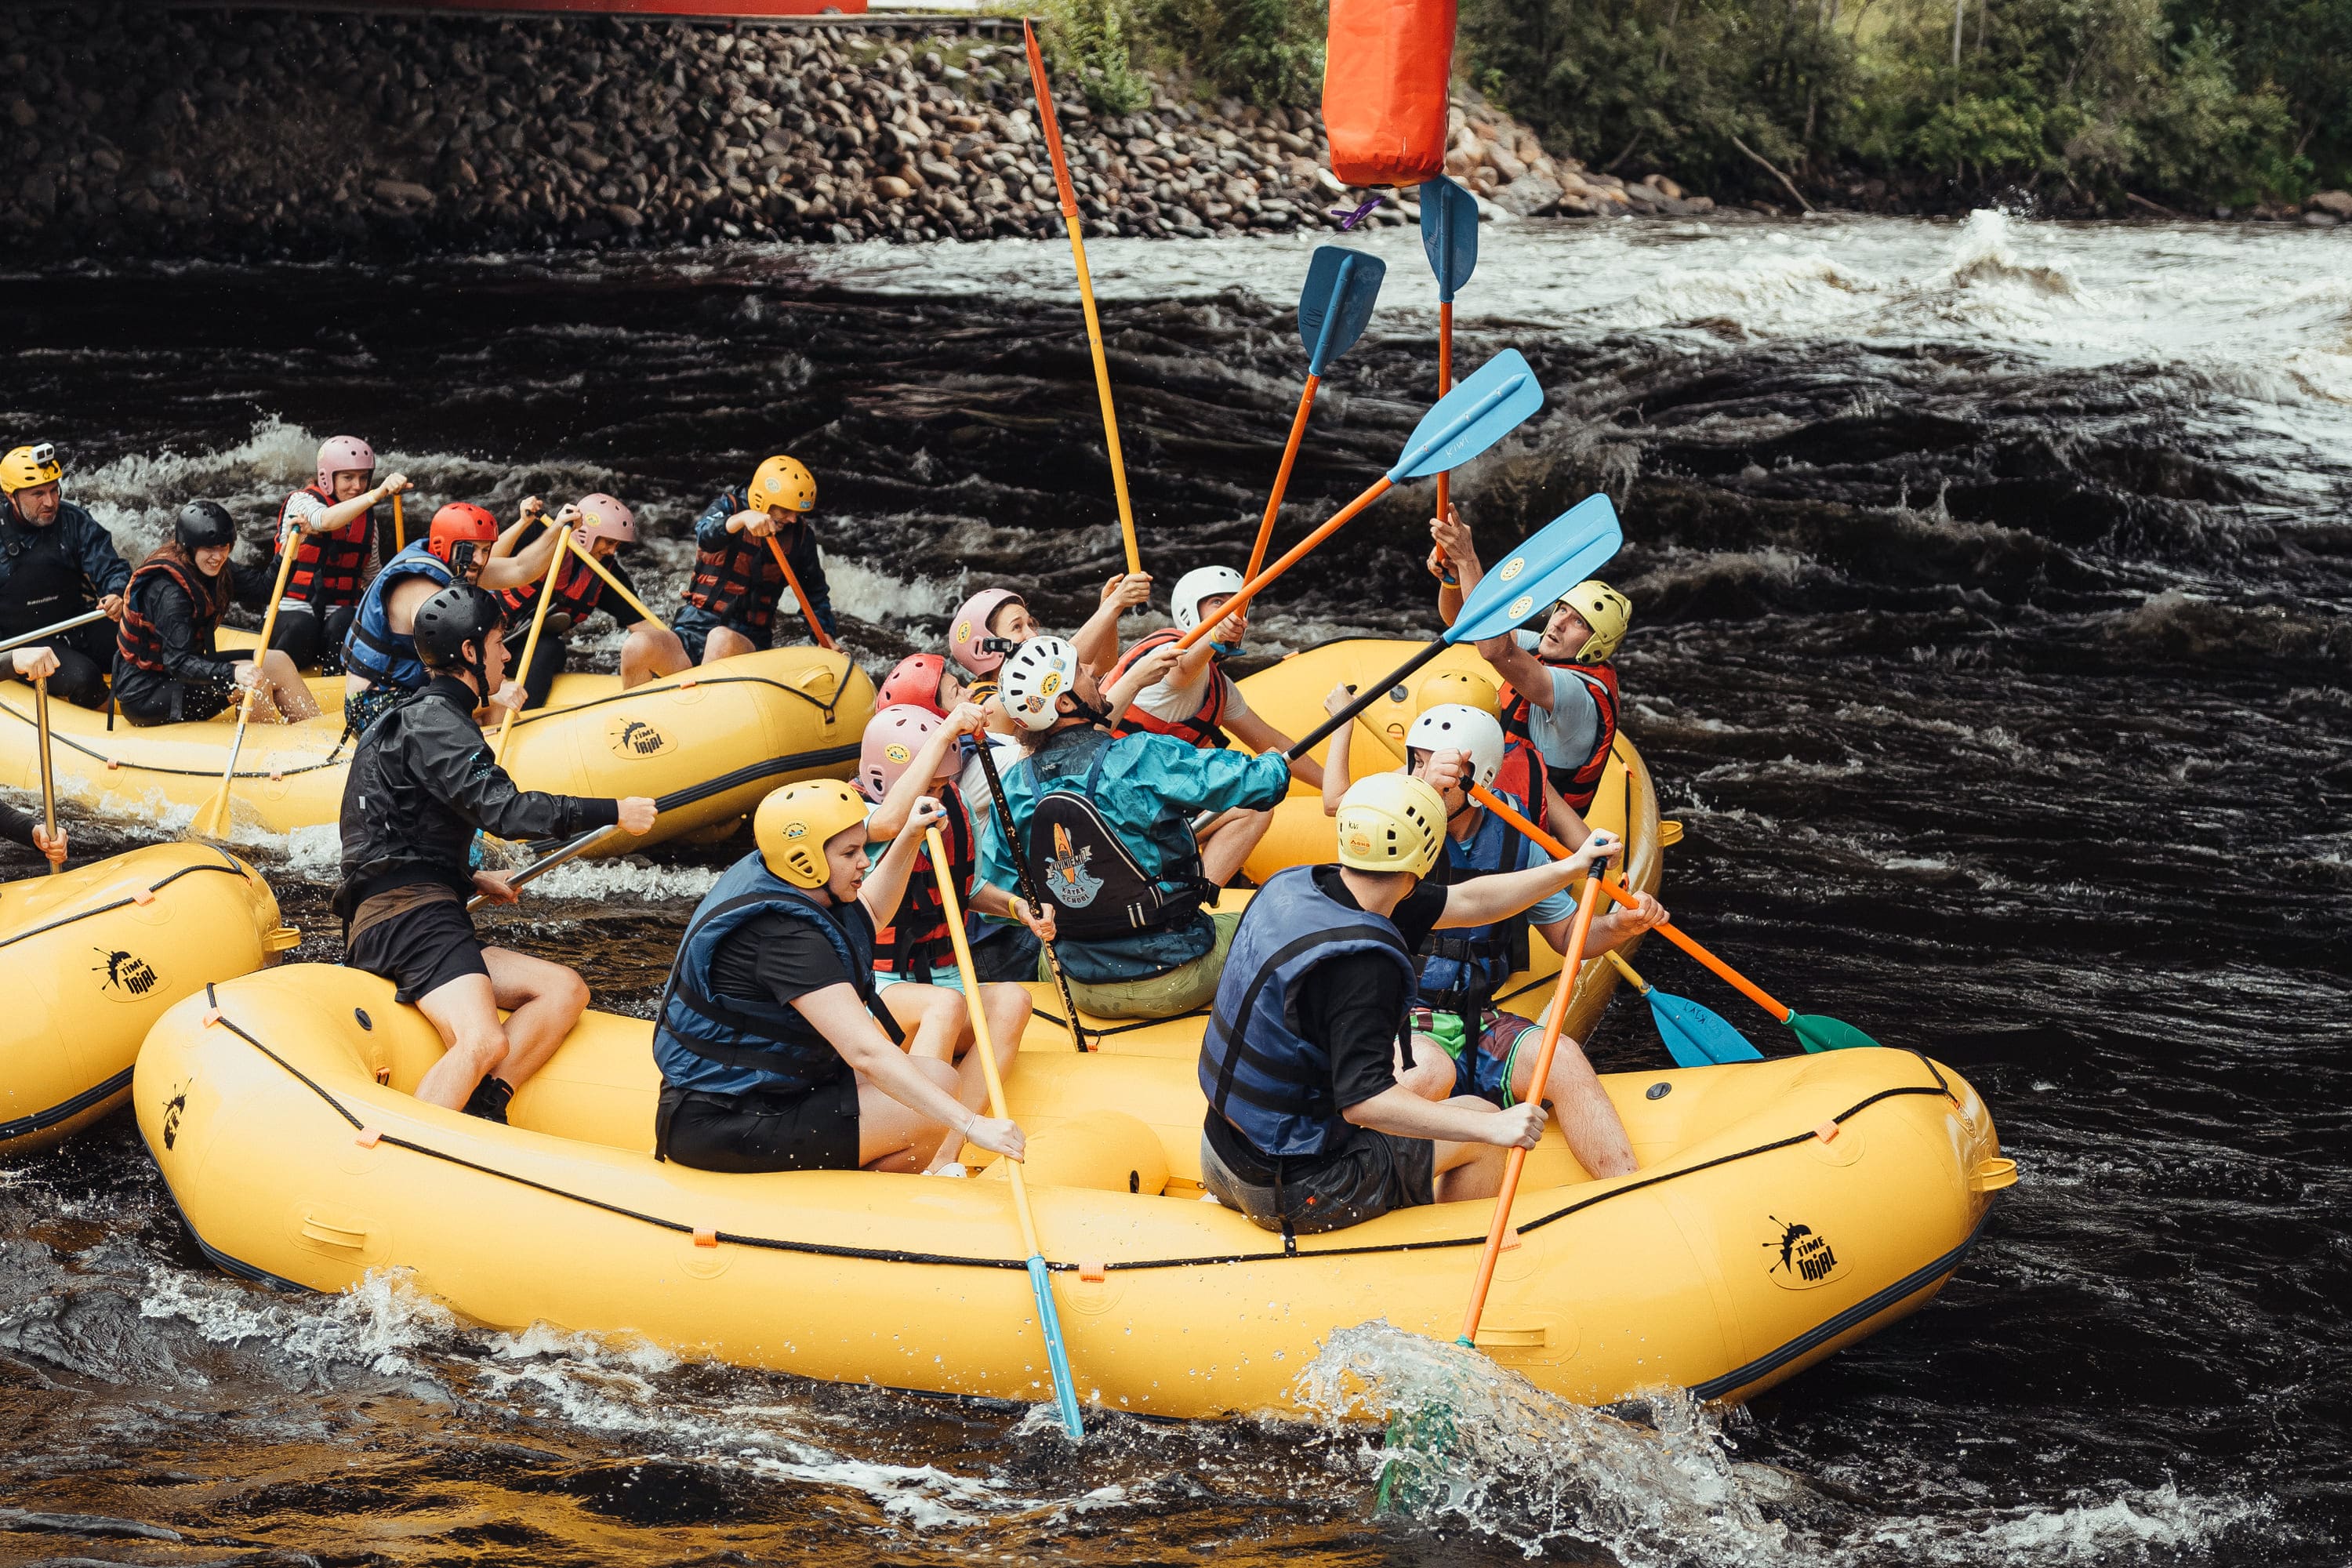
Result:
{"points": [[1370, 695], [1028, 888]]}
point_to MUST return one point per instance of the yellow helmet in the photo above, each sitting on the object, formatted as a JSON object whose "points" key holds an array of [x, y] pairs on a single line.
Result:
{"points": [[1463, 687], [1391, 822], [1608, 612], [26, 467], [784, 481], [794, 824]]}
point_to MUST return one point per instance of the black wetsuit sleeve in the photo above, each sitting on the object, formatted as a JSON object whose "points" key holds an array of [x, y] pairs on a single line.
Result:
{"points": [[1353, 1005], [101, 561], [17, 825], [175, 628], [453, 762], [250, 585]]}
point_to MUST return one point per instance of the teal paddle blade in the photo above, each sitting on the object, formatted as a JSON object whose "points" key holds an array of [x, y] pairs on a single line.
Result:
{"points": [[1556, 558], [1342, 286], [1816, 1033], [1449, 234], [1695, 1035], [1503, 395]]}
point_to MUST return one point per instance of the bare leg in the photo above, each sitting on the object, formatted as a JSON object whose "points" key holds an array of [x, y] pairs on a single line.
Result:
{"points": [[1431, 1073], [1229, 843], [1466, 1171], [648, 652], [723, 642], [288, 688], [1578, 1104], [892, 1138], [466, 1011], [544, 1003], [932, 1017]]}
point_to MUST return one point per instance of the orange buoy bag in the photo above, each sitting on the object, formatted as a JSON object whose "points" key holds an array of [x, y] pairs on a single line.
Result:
{"points": [[1386, 70]]}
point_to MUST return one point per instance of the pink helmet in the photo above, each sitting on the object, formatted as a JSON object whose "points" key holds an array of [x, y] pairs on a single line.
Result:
{"points": [[914, 682], [893, 736], [343, 455], [970, 625], [602, 517]]}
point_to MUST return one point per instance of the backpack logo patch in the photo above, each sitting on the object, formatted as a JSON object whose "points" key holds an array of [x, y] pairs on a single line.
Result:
{"points": [[1068, 882]]}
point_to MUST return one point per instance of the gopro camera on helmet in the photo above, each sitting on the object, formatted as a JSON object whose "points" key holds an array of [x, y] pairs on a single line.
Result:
{"points": [[995, 645]]}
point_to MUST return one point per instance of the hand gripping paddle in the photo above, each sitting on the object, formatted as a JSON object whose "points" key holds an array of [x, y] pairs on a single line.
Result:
{"points": [[1471, 418], [1342, 285]]}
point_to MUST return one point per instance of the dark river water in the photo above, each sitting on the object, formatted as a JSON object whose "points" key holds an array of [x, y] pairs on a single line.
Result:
{"points": [[1992, 644]]}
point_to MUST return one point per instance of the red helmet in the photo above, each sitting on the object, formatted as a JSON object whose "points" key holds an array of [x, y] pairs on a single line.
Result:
{"points": [[915, 683], [460, 521]]}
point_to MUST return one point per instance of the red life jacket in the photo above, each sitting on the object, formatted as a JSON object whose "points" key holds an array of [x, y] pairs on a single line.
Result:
{"points": [[1579, 781], [1204, 729], [327, 566], [1520, 781], [139, 640], [917, 940], [739, 580], [576, 591]]}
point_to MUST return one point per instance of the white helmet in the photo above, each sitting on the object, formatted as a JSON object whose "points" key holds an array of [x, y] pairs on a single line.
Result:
{"points": [[1458, 727], [1034, 678], [1201, 582]]}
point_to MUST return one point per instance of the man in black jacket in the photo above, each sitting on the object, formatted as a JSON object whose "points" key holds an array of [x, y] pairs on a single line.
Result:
{"points": [[423, 781], [57, 561]]}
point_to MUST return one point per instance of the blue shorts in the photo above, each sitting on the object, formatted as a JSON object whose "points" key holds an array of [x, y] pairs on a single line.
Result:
{"points": [[1484, 1068], [947, 975]]}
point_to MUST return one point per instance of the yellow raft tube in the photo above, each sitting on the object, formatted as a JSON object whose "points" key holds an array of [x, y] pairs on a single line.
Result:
{"points": [[95, 954], [709, 744], [1782, 1209]]}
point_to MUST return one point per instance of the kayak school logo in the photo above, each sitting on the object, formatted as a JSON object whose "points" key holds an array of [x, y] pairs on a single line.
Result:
{"points": [[1521, 606], [635, 738], [1797, 1256], [124, 976], [1513, 567], [897, 753], [1067, 881]]}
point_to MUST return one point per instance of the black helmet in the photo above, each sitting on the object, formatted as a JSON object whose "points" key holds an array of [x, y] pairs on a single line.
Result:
{"points": [[450, 619], [205, 525]]}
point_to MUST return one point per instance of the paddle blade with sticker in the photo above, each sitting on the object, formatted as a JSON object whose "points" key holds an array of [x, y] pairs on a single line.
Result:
{"points": [[1698, 1036], [1556, 558], [1449, 233], [1476, 415], [1342, 286]]}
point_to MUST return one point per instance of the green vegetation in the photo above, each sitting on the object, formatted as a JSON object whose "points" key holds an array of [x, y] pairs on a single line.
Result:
{"points": [[2182, 102]]}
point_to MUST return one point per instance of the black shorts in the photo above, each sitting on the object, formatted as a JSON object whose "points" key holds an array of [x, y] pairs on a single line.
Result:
{"points": [[744, 1133], [1371, 1174], [420, 949], [188, 703]]}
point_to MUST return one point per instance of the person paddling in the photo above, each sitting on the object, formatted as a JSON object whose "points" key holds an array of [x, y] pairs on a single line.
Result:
{"points": [[736, 584], [776, 1051], [332, 525], [167, 669], [422, 783], [1566, 686], [1308, 1128], [600, 525], [56, 562], [1104, 824], [380, 662]]}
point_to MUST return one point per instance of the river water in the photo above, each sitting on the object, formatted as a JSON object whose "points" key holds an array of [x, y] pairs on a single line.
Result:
{"points": [[1990, 645]]}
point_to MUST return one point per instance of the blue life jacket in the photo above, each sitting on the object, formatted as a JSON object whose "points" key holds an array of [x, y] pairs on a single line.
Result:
{"points": [[1259, 1073], [373, 651], [771, 1047], [1462, 966]]}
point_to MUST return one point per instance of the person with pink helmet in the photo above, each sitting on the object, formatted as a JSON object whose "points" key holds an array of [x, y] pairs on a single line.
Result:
{"points": [[600, 524], [995, 621], [909, 755], [332, 525]]}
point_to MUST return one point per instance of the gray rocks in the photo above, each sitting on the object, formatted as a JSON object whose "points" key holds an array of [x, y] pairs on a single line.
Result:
{"points": [[2334, 204]]}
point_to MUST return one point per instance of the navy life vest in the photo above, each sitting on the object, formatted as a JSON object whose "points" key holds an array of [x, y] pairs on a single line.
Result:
{"points": [[779, 1051], [1258, 1072], [1462, 966], [327, 566], [1578, 779], [1080, 865], [1206, 729], [373, 651]]}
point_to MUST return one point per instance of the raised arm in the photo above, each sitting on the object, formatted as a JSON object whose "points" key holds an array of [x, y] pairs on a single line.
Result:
{"points": [[889, 818], [1483, 900], [1336, 774], [516, 566], [1453, 551], [1098, 640]]}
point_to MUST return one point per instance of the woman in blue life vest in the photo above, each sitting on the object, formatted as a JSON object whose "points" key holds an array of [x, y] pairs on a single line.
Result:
{"points": [[776, 1052], [1308, 1128], [1565, 697], [380, 662]]}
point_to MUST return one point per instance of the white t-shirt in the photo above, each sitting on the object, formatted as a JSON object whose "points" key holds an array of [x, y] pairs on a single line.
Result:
{"points": [[1173, 704], [1567, 732], [304, 508]]}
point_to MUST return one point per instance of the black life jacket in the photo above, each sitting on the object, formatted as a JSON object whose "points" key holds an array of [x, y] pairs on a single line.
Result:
{"points": [[1081, 866], [737, 580], [327, 566], [917, 940], [44, 583], [1204, 729], [139, 641], [1578, 779]]}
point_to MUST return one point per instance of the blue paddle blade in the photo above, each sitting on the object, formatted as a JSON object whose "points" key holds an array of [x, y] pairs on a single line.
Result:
{"points": [[1698, 1037], [1471, 418], [1057, 1359], [1562, 554], [1449, 233], [1342, 286]]}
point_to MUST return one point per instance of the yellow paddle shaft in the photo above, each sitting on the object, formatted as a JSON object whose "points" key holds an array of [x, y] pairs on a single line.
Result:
{"points": [[530, 644], [48, 773], [588, 558], [951, 909], [216, 813], [1102, 387]]}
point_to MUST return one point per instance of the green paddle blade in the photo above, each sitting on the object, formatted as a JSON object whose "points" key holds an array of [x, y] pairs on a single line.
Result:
{"points": [[1816, 1033], [1695, 1035], [1556, 558]]}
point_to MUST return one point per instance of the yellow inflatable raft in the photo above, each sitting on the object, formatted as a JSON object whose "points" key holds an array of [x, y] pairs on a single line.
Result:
{"points": [[1783, 1209], [93, 957], [712, 741]]}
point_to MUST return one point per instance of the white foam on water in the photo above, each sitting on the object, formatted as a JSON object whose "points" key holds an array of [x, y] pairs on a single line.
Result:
{"points": [[628, 881], [2128, 1525], [383, 1323]]}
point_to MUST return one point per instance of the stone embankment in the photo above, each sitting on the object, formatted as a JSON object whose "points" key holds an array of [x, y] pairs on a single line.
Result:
{"points": [[257, 132]]}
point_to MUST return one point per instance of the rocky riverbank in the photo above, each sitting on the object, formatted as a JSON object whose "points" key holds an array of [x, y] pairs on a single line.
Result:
{"points": [[134, 132]]}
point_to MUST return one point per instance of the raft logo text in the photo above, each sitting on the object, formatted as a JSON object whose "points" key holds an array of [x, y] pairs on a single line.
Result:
{"points": [[1797, 1256]]}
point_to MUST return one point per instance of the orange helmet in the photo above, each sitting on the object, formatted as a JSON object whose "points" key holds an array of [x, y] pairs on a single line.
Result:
{"points": [[459, 522]]}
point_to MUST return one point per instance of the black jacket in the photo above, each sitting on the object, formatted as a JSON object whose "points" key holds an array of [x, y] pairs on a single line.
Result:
{"points": [[16, 825], [189, 654], [422, 781], [86, 566]]}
